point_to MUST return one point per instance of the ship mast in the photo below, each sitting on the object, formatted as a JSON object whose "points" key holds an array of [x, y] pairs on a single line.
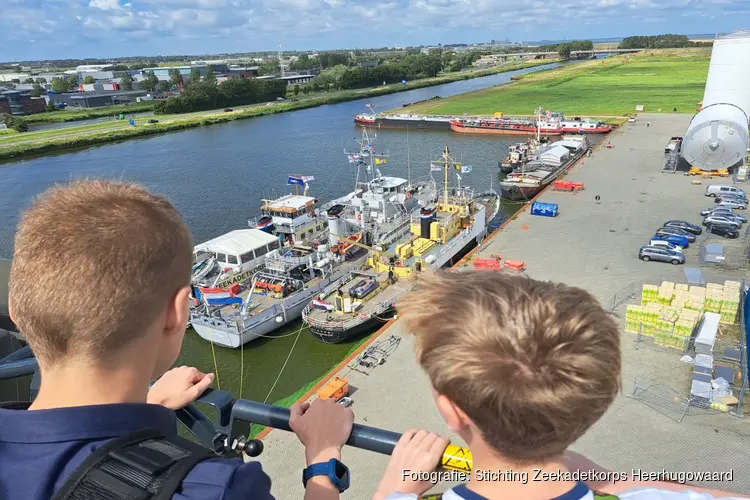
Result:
{"points": [[366, 150]]}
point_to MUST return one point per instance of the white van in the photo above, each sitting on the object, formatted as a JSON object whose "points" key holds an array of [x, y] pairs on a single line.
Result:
{"points": [[715, 189]]}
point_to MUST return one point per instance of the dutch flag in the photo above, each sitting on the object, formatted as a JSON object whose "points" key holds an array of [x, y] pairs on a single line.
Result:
{"points": [[217, 296]]}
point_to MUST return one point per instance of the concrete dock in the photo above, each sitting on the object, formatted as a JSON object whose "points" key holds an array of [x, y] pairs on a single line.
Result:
{"points": [[595, 247]]}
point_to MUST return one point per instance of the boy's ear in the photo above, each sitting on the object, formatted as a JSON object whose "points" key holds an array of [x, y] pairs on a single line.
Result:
{"points": [[10, 310], [452, 414], [178, 311]]}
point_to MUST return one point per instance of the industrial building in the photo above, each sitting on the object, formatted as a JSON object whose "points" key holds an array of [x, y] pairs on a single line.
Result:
{"points": [[95, 99], [297, 79], [162, 73], [17, 102]]}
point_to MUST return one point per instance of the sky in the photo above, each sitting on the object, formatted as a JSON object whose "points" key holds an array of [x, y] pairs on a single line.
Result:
{"points": [[56, 29]]}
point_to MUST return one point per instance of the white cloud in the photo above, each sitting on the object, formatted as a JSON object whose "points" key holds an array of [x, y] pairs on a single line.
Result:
{"points": [[122, 27]]}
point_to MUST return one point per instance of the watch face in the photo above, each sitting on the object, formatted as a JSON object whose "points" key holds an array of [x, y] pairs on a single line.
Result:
{"points": [[342, 472]]}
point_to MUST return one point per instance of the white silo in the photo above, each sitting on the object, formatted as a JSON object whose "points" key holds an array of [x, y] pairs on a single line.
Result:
{"points": [[718, 134]]}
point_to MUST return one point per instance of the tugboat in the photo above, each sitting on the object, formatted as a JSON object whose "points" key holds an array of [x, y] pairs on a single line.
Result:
{"points": [[438, 235]]}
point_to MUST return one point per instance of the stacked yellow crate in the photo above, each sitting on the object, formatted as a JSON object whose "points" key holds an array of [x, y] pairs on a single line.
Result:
{"points": [[664, 332], [633, 314], [649, 316], [714, 294], [680, 298], [666, 293], [649, 294], [696, 299], [730, 302]]}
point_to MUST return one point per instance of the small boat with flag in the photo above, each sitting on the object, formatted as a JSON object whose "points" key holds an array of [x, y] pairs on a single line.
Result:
{"points": [[438, 234]]}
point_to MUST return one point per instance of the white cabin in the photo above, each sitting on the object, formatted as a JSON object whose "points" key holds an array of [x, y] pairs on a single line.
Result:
{"points": [[555, 155], [240, 250], [294, 215]]}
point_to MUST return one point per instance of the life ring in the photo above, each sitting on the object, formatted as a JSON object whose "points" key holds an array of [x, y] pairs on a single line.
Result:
{"points": [[359, 217], [362, 316]]}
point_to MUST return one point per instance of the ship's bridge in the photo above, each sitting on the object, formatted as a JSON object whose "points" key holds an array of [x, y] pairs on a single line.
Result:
{"points": [[291, 210], [388, 185]]}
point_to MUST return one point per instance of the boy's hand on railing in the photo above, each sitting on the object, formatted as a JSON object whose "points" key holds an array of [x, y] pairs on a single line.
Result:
{"points": [[179, 387], [323, 427], [416, 451]]}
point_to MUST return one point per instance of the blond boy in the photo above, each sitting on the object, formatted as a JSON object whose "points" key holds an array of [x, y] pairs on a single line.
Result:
{"points": [[520, 369], [99, 286]]}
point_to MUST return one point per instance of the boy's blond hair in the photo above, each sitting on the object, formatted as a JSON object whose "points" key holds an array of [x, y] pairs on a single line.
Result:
{"points": [[533, 364], [94, 264]]}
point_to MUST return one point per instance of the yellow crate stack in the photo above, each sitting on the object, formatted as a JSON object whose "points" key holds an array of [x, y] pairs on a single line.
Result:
{"points": [[730, 302], [714, 293], [664, 332], [670, 312], [633, 314], [666, 293], [649, 294]]}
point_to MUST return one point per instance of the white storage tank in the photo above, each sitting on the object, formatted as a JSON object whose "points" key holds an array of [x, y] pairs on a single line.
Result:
{"points": [[718, 134]]}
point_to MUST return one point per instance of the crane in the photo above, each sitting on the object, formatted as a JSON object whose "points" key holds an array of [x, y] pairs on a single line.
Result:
{"points": [[366, 247]]}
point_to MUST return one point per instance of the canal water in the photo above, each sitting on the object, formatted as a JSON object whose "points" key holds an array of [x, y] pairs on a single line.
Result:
{"points": [[217, 176]]}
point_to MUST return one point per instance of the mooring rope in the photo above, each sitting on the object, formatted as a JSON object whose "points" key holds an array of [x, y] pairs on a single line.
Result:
{"points": [[299, 332]]}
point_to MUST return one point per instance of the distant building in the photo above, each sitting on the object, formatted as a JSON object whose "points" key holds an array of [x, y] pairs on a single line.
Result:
{"points": [[242, 72], [297, 79], [17, 102], [91, 67], [95, 98], [162, 73], [98, 75], [8, 77]]}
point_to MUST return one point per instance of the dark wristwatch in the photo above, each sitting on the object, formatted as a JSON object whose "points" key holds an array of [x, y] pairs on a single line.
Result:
{"points": [[336, 472]]}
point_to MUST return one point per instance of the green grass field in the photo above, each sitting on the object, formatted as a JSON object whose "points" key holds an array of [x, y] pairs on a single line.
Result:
{"points": [[608, 87]]}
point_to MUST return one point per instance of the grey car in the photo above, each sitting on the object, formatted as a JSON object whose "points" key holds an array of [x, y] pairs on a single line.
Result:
{"points": [[677, 232], [737, 203], [730, 197], [724, 212], [719, 220], [660, 254]]}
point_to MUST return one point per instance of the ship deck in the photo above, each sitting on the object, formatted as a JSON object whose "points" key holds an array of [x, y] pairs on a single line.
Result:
{"points": [[374, 301], [597, 253]]}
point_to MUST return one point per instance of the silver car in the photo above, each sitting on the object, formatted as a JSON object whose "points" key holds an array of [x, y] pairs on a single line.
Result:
{"points": [[738, 204], [724, 212], [719, 220], [661, 254], [665, 244]]}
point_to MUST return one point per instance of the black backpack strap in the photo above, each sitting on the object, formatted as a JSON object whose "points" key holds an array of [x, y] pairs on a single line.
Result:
{"points": [[143, 465]]}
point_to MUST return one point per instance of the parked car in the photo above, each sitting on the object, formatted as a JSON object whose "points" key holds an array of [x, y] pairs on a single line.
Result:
{"points": [[685, 226], [726, 212], [723, 197], [153, 121], [718, 220], [677, 232], [661, 254], [228, 110], [631, 119], [673, 239], [723, 230], [665, 244], [738, 204], [718, 189]]}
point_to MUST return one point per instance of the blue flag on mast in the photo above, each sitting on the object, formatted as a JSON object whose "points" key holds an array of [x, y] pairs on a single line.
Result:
{"points": [[299, 180]]}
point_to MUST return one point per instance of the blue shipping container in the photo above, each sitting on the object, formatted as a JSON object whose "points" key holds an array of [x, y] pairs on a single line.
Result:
{"points": [[544, 209]]}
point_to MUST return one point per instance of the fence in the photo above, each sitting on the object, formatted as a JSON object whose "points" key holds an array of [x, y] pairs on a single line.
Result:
{"points": [[665, 383], [623, 295]]}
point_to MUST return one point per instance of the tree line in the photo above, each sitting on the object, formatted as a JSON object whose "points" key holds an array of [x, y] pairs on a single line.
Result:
{"points": [[200, 95], [668, 41], [566, 48]]}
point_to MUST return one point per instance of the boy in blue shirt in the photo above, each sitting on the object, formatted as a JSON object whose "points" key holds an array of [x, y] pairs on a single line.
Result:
{"points": [[99, 286], [520, 369]]}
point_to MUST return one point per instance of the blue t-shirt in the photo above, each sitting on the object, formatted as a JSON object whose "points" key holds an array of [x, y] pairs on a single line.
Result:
{"points": [[39, 449]]}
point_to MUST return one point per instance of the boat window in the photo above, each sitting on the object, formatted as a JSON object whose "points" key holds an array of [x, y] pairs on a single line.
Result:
{"points": [[221, 257], [247, 257], [273, 245], [232, 259]]}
